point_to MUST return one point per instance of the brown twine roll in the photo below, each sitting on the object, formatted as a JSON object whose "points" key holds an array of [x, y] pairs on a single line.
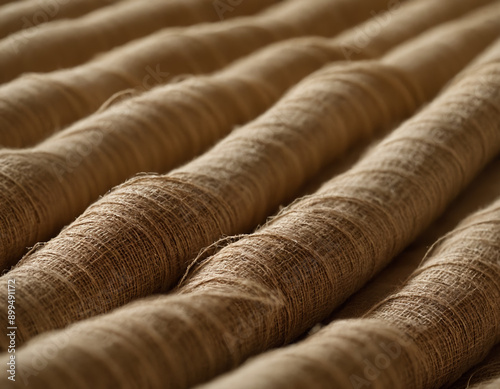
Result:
{"points": [[226, 191], [443, 320], [158, 223], [21, 15], [269, 287], [71, 94], [67, 43], [168, 125], [486, 375], [481, 192]]}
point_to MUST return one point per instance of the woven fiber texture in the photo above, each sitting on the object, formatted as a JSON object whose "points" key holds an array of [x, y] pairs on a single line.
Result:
{"points": [[485, 375], [480, 193], [415, 338], [21, 15], [267, 288], [86, 160], [139, 238], [74, 93]]}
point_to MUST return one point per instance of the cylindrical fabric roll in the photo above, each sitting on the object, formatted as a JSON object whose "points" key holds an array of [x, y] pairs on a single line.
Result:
{"points": [[226, 191], [485, 375], [66, 43], [71, 94], [86, 160], [481, 192], [269, 287], [443, 320], [21, 15]]}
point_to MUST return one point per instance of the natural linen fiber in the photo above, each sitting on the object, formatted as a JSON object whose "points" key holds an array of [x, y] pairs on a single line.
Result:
{"points": [[139, 238], [485, 375], [269, 287], [174, 123], [71, 94], [20, 15], [480, 193], [67, 43], [443, 320]]}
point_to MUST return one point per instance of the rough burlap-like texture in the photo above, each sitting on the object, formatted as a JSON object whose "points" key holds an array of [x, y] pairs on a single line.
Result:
{"points": [[480, 193], [485, 375], [443, 320], [269, 287], [71, 94], [68, 43], [21, 15], [174, 123], [139, 239]]}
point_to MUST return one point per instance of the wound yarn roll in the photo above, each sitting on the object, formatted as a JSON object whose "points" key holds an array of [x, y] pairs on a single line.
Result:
{"points": [[485, 375], [172, 124], [21, 15], [163, 221], [443, 320], [267, 288], [66, 43], [71, 94], [481, 192], [148, 222]]}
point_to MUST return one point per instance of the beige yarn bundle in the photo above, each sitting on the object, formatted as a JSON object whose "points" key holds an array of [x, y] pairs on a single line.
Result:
{"points": [[77, 165], [139, 238], [21, 15], [67, 43], [269, 287], [71, 94], [443, 320]]}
